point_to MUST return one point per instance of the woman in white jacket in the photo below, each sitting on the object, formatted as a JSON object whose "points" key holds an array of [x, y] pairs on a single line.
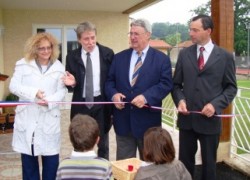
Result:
{"points": [[37, 79]]}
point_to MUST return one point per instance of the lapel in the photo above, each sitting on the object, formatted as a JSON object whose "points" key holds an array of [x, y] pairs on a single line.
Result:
{"points": [[127, 59], [192, 56], [34, 66], [213, 58], [146, 64], [78, 57], [147, 60], [102, 65]]}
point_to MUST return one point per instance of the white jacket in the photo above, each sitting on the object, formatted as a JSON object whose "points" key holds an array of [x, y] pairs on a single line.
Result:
{"points": [[43, 121]]}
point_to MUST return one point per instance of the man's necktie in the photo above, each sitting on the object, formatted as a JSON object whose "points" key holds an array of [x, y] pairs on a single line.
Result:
{"points": [[136, 71], [89, 96], [201, 62]]}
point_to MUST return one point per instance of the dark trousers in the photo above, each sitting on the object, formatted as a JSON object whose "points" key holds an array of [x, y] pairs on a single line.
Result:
{"points": [[188, 148], [30, 167], [127, 147], [98, 113]]}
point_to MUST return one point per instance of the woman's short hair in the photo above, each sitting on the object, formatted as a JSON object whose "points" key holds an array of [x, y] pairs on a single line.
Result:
{"points": [[83, 27], [32, 45], [142, 23], [158, 146], [83, 132]]}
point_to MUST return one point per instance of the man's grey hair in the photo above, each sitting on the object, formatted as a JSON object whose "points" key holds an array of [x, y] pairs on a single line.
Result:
{"points": [[84, 26], [143, 23]]}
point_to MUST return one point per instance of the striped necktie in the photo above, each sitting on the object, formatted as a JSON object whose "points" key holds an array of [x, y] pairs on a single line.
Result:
{"points": [[137, 68]]}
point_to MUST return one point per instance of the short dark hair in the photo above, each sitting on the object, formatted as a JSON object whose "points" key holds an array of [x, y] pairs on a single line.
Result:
{"points": [[206, 21], [83, 132], [158, 146]]}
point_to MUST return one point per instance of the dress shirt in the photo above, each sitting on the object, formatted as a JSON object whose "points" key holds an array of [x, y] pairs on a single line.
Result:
{"points": [[95, 59], [208, 49]]}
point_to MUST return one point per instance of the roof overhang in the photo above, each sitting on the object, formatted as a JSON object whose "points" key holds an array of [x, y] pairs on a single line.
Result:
{"points": [[122, 6]]}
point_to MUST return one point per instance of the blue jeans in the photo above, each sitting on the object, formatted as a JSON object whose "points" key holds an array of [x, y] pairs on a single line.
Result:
{"points": [[30, 167]]}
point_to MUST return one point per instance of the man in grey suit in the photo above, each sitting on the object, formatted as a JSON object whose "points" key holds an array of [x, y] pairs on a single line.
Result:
{"points": [[76, 78], [204, 80]]}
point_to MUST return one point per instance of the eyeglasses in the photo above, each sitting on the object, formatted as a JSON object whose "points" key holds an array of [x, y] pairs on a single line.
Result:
{"points": [[135, 34], [43, 49]]}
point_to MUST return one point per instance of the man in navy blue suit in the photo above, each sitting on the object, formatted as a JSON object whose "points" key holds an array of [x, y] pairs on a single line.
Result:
{"points": [[142, 76]]}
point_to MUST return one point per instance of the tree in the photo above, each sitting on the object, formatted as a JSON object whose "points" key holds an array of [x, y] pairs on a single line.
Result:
{"points": [[173, 39], [203, 9], [241, 18], [170, 32]]}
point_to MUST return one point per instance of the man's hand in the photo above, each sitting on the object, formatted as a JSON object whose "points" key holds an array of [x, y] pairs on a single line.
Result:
{"points": [[118, 97], [69, 79], [208, 110], [182, 107], [139, 101]]}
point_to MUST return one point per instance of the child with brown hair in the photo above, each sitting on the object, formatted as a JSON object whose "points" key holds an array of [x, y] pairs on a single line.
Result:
{"points": [[84, 163], [159, 157]]}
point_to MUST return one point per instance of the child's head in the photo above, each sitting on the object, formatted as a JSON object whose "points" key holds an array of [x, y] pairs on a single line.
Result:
{"points": [[158, 146], [83, 132]]}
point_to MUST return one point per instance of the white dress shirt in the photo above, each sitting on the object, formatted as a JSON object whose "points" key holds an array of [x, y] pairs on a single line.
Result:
{"points": [[208, 49]]}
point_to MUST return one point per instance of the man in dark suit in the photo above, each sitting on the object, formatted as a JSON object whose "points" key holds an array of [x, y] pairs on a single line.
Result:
{"points": [[142, 76], [204, 80], [77, 69]]}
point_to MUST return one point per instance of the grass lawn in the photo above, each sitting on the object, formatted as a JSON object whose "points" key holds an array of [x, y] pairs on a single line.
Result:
{"points": [[243, 83], [242, 123]]}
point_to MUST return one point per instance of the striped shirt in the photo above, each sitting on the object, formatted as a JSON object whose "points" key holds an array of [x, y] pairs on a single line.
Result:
{"points": [[84, 167]]}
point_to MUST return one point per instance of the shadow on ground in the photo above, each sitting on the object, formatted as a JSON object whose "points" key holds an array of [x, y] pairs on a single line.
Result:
{"points": [[224, 172]]}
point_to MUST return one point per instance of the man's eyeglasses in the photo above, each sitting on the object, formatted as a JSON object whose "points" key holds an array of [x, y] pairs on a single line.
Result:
{"points": [[43, 49], [135, 34]]}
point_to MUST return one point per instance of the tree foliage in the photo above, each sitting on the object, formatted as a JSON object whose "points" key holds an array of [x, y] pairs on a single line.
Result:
{"points": [[175, 33], [170, 33], [173, 39], [241, 19]]}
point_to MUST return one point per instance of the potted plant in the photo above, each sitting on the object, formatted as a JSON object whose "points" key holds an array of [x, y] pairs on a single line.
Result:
{"points": [[10, 97], [9, 112]]}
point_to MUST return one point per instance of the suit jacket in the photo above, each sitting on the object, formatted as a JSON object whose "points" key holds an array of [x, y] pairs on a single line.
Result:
{"points": [[154, 82], [75, 65], [215, 84]]}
